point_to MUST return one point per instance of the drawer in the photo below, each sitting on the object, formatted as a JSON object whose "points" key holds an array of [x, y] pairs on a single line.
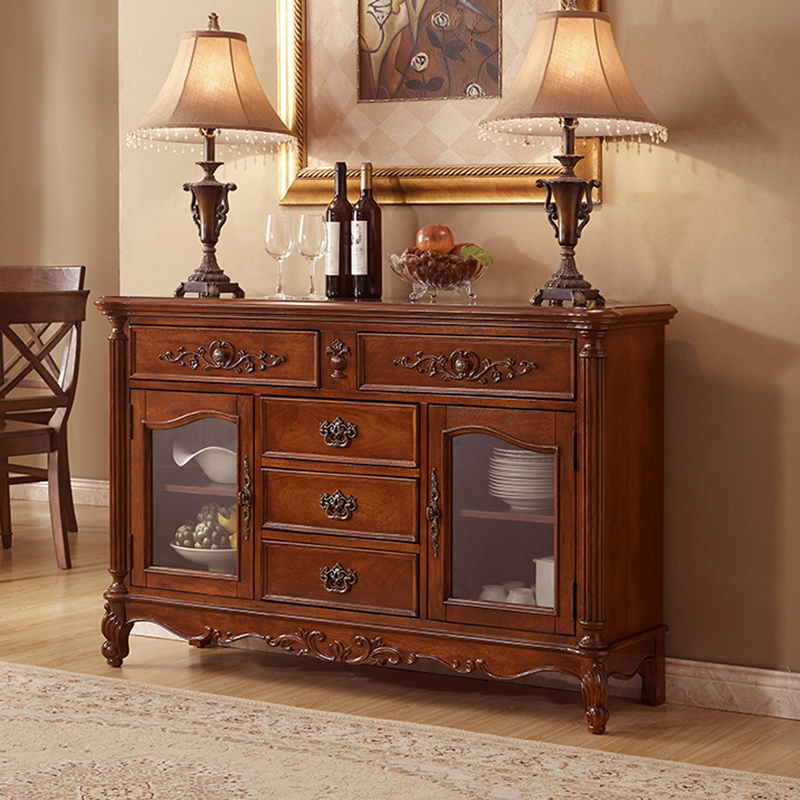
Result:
{"points": [[363, 580], [285, 358], [369, 433], [341, 504], [530, 367]]}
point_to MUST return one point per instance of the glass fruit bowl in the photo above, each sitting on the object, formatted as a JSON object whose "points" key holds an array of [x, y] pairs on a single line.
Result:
{"points": [[430, 272]]}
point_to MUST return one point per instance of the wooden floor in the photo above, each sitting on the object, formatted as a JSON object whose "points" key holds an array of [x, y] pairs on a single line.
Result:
{"points": [[52, 619]]}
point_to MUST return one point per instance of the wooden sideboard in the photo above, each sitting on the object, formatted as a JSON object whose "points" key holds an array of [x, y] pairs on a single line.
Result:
{"points": [[384, 465]]}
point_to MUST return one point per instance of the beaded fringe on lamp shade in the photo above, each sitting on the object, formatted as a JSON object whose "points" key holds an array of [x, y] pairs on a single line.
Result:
{"points": [[212, 86], [572, 70]]}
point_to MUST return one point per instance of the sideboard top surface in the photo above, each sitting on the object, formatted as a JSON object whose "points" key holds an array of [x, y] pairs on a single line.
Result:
{"points": [[163, 310]]}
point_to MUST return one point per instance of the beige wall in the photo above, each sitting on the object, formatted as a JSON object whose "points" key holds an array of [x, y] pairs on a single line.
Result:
{"points": [[703, 223], [58, 139]]}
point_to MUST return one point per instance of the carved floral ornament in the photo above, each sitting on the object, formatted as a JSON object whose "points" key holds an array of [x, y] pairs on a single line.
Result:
{"points": [[338, 352], [362, 649], [465, 365], [221, 355]]}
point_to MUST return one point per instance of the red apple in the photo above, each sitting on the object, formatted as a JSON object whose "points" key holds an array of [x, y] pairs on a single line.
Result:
{"points": [[435, 237]]}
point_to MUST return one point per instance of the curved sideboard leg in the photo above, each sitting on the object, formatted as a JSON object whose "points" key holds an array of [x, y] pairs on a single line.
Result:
{"points": [[594, 688], [115, 648]]}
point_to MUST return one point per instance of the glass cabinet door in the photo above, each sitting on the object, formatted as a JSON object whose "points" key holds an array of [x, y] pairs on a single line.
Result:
{"points": [[193, 476], [503, 553]]}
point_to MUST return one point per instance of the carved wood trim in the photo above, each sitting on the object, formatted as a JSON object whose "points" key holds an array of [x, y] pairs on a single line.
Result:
{"points": [[120, 425], [591, 478], [465, 365], [338, 351], [222, 355], [372, 651]]}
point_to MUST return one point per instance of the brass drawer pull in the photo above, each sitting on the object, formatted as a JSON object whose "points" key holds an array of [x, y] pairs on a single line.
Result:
{"points": [[337, 579], [338, 433], [337, 506]]}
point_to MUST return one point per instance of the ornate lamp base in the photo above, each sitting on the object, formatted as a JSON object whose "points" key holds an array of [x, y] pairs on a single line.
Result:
{"points": [[209, 280], [208, 289], [568, 204], [209, 211], [580, 298], [568, 285]]}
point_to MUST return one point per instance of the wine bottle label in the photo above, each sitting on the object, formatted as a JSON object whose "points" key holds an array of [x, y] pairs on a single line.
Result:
{"points": [[358, 248], [332, 253]]}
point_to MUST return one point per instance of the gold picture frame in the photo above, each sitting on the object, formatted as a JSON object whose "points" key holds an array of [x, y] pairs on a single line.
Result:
{"points": [[301, 184]]}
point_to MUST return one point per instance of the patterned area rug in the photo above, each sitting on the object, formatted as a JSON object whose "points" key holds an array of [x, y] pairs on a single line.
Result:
{"points": [[64, 735]]}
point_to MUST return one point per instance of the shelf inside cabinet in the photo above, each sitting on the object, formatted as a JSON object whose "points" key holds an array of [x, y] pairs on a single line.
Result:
{"points": [[510, 516], [220, 489]]}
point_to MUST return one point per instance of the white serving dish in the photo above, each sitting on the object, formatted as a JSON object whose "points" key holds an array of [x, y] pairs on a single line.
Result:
{"points": [[212, 560], [218, 463]]}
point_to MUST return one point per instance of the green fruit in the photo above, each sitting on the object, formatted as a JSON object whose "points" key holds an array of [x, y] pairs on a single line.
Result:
{"points": [[209, 532], [208, 512], [184, 536], [478, 253]]}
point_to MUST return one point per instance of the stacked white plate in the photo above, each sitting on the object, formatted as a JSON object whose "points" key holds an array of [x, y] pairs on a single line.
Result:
{"points": [[523, 479]]}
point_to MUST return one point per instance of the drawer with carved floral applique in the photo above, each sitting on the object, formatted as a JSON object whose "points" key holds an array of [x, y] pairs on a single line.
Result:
{"points": [[281, 358], [508, 366]]}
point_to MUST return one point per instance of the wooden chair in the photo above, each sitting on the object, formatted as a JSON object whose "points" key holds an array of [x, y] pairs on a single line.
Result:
{"points": [[41, 311]]}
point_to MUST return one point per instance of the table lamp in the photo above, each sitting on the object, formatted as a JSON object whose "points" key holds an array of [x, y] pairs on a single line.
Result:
{"points": [[572, 82], [212, 95]]}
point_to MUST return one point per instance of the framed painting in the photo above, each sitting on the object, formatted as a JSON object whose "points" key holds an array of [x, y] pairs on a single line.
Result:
{"points": [[412, 109]]}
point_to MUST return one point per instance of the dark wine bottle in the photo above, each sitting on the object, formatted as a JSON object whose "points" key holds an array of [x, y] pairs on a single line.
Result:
{"points": [[366, 259], [338, 277]]}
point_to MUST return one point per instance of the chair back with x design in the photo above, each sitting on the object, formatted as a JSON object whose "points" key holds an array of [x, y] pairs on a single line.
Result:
{"points": [[41, 311]]}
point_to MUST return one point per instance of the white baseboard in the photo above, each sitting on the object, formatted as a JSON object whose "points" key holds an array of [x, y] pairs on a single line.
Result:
{"points": [[85, 492], [703, 684], [725, 687]]}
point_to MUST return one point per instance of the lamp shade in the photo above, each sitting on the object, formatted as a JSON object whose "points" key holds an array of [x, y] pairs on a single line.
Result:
{"points": [[572, 71], [213, 86]]}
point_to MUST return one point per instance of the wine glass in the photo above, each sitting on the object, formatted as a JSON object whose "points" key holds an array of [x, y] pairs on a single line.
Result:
{"points": [[312, 241], [279, 243]]}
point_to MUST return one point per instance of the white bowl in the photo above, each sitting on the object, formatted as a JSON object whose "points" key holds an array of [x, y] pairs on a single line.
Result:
{"points": [[522, 595], [218, 463], [493, 593], [212, 560]]}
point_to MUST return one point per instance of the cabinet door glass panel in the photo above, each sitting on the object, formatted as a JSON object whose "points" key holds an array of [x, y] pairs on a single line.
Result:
{"points": [[503, 526], [194, 496]]}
